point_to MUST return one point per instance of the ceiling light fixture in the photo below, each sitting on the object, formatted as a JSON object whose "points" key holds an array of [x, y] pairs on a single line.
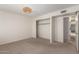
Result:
{"points": [[27, 10]]}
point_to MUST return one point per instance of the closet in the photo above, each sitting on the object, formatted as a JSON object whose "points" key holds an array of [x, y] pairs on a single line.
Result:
{"points": [[61, 28], [65, 28], [43, 28]]}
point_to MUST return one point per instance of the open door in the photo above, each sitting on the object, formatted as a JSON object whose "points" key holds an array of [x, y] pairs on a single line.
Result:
{"points": [[77, 31]]}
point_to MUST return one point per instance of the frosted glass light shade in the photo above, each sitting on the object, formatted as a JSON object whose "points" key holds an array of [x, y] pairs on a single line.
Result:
{"points": [[27, 10]]}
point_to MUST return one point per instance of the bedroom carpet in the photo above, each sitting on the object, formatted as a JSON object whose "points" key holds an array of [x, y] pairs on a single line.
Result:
{"points": [[37, 46]]}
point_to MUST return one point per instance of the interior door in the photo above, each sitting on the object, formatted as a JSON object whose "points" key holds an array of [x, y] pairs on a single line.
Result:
{"points": [[44, 29], [77, 32]]}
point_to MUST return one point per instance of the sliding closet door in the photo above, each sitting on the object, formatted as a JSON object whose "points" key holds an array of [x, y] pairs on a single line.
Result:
{"points": [[44, 29], [59, 29]]}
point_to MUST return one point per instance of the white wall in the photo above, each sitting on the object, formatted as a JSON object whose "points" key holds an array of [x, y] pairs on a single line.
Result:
{"points": [[49, 15], [14, 27]]}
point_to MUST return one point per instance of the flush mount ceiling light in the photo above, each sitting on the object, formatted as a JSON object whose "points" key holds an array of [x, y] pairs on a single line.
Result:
{"points": [[27, 10]]}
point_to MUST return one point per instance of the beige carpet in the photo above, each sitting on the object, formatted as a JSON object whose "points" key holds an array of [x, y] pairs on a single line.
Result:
{"points": [[37, 46]]}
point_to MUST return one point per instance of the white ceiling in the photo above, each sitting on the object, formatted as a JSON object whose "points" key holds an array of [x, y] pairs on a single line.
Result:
{"points": [[38, 9]]}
